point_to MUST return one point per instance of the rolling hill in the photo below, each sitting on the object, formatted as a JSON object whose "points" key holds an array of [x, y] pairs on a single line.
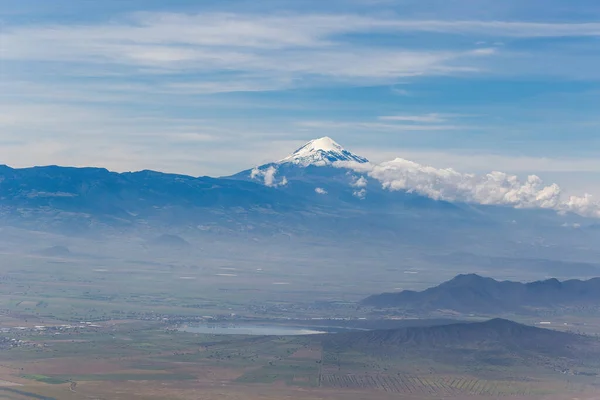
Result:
{"points": [[497, 332], [488, 343]]}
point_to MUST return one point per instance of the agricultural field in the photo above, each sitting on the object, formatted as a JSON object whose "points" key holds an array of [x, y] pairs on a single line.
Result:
{"points": [[119, 359]]}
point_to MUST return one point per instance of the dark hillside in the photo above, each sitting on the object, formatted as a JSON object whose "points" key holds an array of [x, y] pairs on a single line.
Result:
{"points": [[473, 293], [497, 341]]}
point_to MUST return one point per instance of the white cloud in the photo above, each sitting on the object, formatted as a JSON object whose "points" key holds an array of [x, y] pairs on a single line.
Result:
{"points": [[495, 188], [226, 86], [271, 46], [426, 118], [268, 176], [175, 37], [400, 92], [359, 182], [320, 191], [379, 126], [255, 173], [361, 194], [505, 28], [584, 205]]}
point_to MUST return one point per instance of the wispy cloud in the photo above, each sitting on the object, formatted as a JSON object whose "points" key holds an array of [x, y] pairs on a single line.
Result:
{"points": [[504, 28], [482, 160], [377, 126], [301, 45], [426, 118], [399, 91], [250, 52], [228, 52], [150, 31], [124, 141]]}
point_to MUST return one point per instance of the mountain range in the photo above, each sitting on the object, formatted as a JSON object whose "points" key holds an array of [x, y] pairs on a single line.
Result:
{"points": [[317, 177], [304, 181], [472, 293], [321, 193]]}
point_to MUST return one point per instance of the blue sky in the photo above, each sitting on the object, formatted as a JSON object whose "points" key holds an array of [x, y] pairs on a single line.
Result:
{"points": [[213, 87]]}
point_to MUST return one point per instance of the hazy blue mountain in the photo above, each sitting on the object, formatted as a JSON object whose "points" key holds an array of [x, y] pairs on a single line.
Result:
{"points": [[54, 251], [306, 194], [55, 197], [170, 241], [474, 293], [86, 198]]}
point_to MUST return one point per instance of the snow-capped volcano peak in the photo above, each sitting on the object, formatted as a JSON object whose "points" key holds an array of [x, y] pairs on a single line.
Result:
{"points": [[322, 151]]}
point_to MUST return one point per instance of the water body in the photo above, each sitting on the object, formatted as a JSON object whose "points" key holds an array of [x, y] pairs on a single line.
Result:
{"points": [[250, 329]]}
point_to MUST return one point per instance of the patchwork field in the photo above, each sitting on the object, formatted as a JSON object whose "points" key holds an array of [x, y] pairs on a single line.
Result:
{"points": [[133, 360]]}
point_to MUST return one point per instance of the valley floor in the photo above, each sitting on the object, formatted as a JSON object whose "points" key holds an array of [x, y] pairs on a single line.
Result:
{"points": [[143, 360], [94, 328]]}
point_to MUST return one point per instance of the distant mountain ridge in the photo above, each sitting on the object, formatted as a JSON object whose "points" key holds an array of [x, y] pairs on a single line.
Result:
{"points": [[308, 194], [55, 251], [474, 293]]}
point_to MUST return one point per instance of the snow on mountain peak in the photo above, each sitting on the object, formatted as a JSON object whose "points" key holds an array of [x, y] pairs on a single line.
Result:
{"points": [[322, 151]]}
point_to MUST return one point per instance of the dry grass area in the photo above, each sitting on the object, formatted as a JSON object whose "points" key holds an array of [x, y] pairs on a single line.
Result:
{"points": [[145, 362], [308, 353], [14, 320], [221, 383], [192, 391], [71, 365]]}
